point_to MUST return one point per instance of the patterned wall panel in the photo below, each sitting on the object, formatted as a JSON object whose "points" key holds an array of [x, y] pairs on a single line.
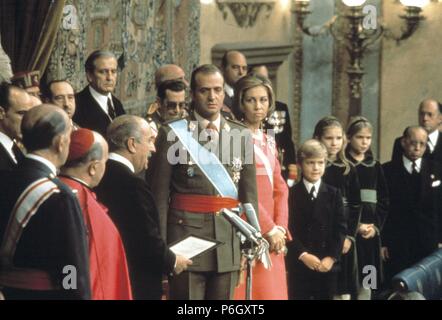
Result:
{"points": [[144, 34]]}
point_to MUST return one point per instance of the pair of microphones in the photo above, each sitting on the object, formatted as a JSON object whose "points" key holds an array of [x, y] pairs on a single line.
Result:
{"points": [[251, 229]]}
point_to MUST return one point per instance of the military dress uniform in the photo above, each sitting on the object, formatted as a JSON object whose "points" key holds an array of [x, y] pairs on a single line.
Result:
{"points": [[155, 121], [188, 203], [279, 122]]}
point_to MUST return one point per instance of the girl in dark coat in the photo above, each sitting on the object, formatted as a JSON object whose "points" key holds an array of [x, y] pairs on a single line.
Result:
{"points": [[374, 202], [341, 174]]}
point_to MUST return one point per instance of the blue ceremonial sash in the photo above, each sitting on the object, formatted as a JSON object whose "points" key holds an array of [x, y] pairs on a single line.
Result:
{"points": [[208, 162]]}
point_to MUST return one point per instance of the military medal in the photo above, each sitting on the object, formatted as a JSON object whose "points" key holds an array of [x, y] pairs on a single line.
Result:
{"points": [[236, 168], [190, 170], [192, 126]]}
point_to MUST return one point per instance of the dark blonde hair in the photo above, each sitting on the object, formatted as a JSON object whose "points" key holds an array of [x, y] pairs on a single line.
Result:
{"points": [[355, 125], [311, 148], [246, 83], [322, 126]]}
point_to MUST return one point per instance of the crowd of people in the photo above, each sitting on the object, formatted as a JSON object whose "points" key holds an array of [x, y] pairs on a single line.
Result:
{"points": [[93, 200]]}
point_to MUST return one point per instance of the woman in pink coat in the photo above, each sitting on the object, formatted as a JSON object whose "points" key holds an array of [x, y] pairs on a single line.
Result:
{"points": [[254, 100]]}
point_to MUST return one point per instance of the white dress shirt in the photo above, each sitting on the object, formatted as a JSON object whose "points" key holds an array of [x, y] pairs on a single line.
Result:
{"points": [[229, 90], [7, 144], [101, 99], [432, 140], [122, 160], [204, 122], [408, 164], [310, 185]]}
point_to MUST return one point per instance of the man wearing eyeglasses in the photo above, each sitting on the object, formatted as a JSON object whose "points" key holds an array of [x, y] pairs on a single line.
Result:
{"points": [[171, 99]]}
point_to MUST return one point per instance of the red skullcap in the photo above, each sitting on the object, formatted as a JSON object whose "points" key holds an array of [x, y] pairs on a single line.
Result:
{"points": [[81, 142]]}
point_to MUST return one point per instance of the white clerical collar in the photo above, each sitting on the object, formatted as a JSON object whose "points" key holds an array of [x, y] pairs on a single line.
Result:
{"points": [[122, 160], [432, 139], [229, 90], [308, 185], [100, 98], [408, 164], [7, 144], [45, 161], [204, 122]]}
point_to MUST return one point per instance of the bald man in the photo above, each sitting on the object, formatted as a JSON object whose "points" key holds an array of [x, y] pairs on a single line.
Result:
{"points": [[234, 67], [44, 244], [414, 183], [169, 72], [132, 207], [14, 103], [83, 171], [430, 118], [165, 73]]}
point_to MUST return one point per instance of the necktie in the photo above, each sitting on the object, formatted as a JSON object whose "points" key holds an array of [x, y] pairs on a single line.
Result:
{"points": [[212, 126], [312, 193], [414, 168], [18, 154], [212, 131], [111, 109]]}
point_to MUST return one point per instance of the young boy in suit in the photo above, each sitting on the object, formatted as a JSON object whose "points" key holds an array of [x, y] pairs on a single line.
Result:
{"points": [[318, 228]]}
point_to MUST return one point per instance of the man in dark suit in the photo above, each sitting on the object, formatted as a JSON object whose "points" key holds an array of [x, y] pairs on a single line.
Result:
{"points": [[14, 103], [414, 182], [61, 93], [234, 67], [189, 202], [132, 208], [430, 118], [96, 105], [44, 252]]}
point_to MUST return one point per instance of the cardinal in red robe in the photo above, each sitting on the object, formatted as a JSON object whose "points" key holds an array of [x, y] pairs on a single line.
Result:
{"points": [[83, 170]]}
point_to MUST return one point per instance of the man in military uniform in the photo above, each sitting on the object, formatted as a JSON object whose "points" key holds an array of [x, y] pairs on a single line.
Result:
{"points": [[171, 99], [29, 81], [192, 185]]}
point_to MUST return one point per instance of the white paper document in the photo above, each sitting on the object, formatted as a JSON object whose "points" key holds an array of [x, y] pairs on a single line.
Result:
{"points": [[192, 246]]}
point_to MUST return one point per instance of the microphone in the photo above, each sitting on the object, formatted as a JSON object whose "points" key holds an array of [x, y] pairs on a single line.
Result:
{"points": [[251, 215], [246, 229]]}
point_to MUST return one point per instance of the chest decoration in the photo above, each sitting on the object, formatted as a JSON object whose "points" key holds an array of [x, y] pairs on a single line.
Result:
{"points": [[236, 168], [190, 169], [277, 120]]}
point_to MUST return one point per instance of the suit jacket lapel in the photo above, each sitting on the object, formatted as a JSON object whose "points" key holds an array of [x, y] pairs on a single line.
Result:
{"points": [[438, 146], [99, 112], [3, 150], [425, 175]]}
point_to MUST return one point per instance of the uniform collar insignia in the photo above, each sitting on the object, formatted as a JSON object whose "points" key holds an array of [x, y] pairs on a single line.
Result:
{"points": [[192, 126]]}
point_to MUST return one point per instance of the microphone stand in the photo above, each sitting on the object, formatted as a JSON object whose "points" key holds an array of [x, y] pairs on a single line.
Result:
{"points": [[252, 243], [250, 256]]}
